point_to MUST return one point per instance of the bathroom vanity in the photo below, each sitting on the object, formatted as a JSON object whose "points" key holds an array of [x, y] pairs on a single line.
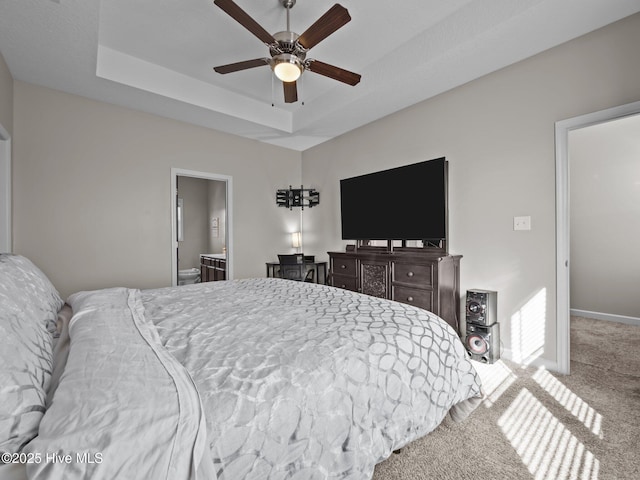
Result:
{"points": [[213, 267]]}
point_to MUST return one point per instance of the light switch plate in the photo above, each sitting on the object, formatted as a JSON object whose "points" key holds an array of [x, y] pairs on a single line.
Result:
{"points": [[522, 223]]}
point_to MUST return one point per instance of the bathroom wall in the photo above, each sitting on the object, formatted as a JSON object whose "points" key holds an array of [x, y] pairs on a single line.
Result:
{"points": [[195, 195], [217, 203]]}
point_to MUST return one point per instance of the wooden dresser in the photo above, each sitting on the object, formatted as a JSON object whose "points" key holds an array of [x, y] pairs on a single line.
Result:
{"points": [[426, 278]]}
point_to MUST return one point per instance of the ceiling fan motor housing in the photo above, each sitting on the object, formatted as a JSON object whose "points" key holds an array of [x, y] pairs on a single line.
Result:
{"points": [[287, 43]]}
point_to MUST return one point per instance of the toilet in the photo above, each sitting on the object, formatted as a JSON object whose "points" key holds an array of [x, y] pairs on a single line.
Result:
{"points": [[189, 276]]}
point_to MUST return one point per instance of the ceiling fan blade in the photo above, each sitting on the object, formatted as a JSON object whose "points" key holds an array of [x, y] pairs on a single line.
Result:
{"points": [[236, 67], [243, 18], [290, 92], [332, 20], [336, 73]]}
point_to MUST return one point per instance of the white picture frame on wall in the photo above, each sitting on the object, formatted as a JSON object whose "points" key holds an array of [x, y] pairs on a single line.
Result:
{"points": [[215, 227]]}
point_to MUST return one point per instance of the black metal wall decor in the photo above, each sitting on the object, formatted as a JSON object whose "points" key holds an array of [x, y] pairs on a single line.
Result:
{"points": [[297, 197]]}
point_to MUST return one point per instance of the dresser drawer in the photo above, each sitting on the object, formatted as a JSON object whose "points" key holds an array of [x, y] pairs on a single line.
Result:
{"points": [[418, 275], [414, 296], [344, 281], [343, 266]]}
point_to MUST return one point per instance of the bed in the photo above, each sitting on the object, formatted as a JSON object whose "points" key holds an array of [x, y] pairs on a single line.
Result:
{"points": [[244, 379]]}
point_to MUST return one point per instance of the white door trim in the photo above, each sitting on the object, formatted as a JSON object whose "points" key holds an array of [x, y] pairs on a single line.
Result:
{"points": [[6, 235], [562, 130], [179, 172]]}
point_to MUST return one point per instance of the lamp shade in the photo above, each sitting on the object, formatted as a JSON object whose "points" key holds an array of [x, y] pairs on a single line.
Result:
{"points": [[296, 240]]}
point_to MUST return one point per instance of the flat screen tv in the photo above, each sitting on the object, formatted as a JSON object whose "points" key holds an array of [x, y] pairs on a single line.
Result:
{"points": [[403, 203]]}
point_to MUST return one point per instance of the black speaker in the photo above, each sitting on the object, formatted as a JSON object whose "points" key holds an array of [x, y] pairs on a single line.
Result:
{"points": [[483, 342], [482, 307]]}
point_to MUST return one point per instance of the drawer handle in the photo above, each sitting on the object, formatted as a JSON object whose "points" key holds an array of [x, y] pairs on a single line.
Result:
{"points": [[409, 299], [343, 266], [409, 274]]}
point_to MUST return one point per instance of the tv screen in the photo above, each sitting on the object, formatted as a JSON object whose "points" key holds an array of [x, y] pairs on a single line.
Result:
{"points": [[404, 203]]}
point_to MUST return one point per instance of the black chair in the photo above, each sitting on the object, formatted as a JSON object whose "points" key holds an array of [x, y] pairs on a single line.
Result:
{"points": [[292, 267]]}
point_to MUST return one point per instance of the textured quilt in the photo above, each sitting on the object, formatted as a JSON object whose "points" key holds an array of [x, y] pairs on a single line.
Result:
{"points": [[305, 381], [247, 379]]}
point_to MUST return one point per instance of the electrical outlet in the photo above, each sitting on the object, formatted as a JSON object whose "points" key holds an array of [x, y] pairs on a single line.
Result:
{"points": [[522, 223]]}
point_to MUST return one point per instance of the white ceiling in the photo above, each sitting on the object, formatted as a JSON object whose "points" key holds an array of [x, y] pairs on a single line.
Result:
{"points": [[158, 55]]}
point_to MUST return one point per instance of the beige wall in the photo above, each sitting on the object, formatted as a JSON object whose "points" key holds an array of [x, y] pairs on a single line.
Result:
{"points": [[605, 217], [6, 96], [92, 185], [498, 134]]}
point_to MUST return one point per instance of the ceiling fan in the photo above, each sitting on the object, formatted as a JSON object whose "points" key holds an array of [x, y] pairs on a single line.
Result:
{"points": [[288, 50]]}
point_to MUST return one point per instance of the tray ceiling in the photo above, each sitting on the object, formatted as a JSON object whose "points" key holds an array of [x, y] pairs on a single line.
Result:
{"points": [[158, 55]]}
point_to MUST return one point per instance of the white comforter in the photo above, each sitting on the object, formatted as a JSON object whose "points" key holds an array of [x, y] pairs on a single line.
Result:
{"points": [[297, 380]]}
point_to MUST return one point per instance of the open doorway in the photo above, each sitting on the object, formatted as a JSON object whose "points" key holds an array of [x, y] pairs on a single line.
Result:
{"points": [[201, 223], [563, 129], [604, 198]]}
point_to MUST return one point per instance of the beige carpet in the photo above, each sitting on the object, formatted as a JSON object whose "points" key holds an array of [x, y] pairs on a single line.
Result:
{"points": [[537, 425]]}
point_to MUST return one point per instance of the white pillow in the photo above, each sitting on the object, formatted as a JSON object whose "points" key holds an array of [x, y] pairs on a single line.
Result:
{"points": [[28, 304]]}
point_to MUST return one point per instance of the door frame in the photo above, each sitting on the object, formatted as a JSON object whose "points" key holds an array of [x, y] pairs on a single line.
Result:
{"points": [[180, 172], [562, 129], [6, 232]]}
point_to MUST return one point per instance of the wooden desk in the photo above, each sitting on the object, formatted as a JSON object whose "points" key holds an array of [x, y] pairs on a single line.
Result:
{"points": [[320, 270]]}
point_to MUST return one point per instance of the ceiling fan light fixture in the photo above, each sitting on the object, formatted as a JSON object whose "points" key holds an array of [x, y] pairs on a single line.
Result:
{"points": [[287, 67], [288, 50]]}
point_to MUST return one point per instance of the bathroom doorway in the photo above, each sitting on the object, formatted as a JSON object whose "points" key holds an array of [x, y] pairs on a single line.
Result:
{"points": [[201, 223]]}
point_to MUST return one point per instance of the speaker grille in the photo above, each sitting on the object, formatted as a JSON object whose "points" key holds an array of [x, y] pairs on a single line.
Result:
{"points": [[477, 344], [481, 307], [483, 342]]}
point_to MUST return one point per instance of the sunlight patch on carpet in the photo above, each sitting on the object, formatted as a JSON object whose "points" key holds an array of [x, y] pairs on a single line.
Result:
{"points": [[547, 448], [569, 400]]}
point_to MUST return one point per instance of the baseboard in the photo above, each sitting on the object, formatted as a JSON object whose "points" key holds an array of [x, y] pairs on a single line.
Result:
{"points": [[550, 365], [553, 366], [609, 317]]}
